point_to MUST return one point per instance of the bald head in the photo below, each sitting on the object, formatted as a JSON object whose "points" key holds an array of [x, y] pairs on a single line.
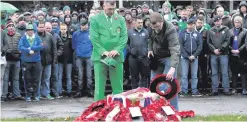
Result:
{"points": [[48, 27]]}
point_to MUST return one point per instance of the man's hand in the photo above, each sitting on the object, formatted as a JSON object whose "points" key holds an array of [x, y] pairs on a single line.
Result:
{"points": [[216, 51], [31, 52], [192, 58], [150, 53], [235, 51], [170, 73], [113, 53], [106, 53]]}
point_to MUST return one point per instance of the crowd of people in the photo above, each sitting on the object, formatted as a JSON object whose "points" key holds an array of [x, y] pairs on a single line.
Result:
{"points": [[45, 48]]}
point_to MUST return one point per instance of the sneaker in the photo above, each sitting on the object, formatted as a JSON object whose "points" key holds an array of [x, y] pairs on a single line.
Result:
{"points": [[43, 97], [197, 94], [183, 94], [227, 93], [234, 91], [28, 99], [49, 97], [244, 92], [36, 99], [214, 94], [58, 97]]}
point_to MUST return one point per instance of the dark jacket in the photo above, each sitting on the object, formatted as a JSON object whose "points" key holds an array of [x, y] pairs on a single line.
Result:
{"points": [[203, 33], [243, 3], [49, 51], [10, 47], [67, 56], [219, 38], [21, 29], [137, 44], [81, 44], [36, 47], [242, 38], [190, 43], [165, 43], [58, 46]]}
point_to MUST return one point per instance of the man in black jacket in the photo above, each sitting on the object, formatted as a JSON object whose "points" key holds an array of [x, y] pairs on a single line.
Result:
{"points": [[47, 58], [10, 49], [238, 54], [59, 49], [138, 48], [218, 39]]}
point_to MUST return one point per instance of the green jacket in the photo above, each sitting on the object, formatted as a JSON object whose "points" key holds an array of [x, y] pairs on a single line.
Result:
{"points": [[108, 38]]}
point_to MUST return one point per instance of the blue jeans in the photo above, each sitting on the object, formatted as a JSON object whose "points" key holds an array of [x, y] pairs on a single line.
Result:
{"points": [[54, 79], [68, 77], [14, 68], [185, 63], [163, 68], [221, 60], [88, 65], [45, 80]]}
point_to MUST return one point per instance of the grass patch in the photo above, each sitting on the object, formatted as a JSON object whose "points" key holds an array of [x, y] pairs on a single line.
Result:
{"points": [[218, 118], [197, 118]]}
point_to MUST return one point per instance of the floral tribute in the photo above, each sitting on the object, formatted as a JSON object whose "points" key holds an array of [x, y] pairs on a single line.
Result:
{"points": [[125, 106]]}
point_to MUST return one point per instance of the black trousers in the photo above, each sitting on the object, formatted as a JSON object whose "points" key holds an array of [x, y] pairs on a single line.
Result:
{"points": [[238, 66], [32, 72], [139, 71], [203, 71]]}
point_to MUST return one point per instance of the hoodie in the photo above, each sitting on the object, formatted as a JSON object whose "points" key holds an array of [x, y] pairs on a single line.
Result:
{"points": [[82, 44], [243, 3], [190, 43]]}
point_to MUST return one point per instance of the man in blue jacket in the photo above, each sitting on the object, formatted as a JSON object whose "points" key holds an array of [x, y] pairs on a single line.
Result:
{"points": [[83, 48], [30, 46], [190, 46]]}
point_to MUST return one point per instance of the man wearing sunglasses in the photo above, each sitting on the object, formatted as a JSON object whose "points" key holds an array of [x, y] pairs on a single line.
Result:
{"points": [[164, 45]]}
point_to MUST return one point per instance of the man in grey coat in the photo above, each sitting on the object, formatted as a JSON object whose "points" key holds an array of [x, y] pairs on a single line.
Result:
{"points": [[164, 45]]}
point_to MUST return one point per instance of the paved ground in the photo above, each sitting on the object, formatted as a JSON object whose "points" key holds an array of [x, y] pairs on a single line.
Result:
{"points": [[73, 107]]}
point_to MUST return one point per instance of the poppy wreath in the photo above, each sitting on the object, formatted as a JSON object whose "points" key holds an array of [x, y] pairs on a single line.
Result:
{"points": [[153, 112], [92, 112], [166, 88], [122, 115]]}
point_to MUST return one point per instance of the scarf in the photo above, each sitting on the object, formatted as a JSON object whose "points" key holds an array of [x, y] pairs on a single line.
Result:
{"points": [[30, 39], [11, 33], [235, 40]]}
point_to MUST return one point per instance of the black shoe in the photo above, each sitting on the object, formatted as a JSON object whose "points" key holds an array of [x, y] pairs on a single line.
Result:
{"points": [[3, 99], [214, 94], [90, 94], [227, 93], [77, 95], [69, 94], [20, 98]]}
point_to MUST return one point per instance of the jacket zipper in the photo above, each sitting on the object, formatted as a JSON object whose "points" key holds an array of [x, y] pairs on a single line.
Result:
{"points": [[190, 45]]}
